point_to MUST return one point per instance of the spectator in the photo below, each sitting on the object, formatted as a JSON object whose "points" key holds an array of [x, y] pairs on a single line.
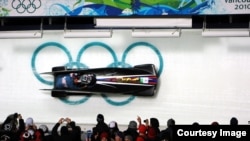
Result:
{"points": [[77, 133], [104, 136], [118, 136], [128, 138], [131, 130], [215, 123], [10, 130], [142, 133], [195, 123], [142, 130], [31, 132], [68, 132], [101, 127], [95, 136], [88, 135], [46, 136], [113, 129], [167, 134], [152, 129], [233, 121]]}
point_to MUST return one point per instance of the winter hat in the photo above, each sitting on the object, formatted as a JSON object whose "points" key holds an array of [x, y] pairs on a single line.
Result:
{"points": [[112, 124], [29, 121], [44, 128], [142, 129], [132, 124], [100, 118]]}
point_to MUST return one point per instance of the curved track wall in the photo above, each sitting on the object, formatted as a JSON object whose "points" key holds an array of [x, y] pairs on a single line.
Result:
{"points": [[201, 79]]}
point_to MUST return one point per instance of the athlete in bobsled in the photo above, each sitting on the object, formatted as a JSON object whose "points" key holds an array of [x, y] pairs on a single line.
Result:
{"points": [[75, 81]]}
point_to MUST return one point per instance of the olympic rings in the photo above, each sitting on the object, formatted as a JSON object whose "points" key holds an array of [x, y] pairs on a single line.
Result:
{"points": [[78, 64], [20, 6]]}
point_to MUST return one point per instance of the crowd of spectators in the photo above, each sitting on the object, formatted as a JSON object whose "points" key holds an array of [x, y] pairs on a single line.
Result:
{"points": [[14, 128]]}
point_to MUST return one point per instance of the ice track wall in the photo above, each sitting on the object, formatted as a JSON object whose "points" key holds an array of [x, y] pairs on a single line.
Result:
{"points": [[201, 79]]}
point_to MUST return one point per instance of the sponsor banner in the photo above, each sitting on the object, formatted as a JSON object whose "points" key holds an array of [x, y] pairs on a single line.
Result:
{"points": [[210, 132], [122, 7]]}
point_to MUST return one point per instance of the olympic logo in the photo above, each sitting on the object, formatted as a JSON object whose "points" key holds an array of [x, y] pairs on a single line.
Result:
{"points": [[26, 5], [78, 64]]}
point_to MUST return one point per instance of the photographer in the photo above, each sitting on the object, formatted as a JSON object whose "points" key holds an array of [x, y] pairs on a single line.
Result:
{"points": [[31, 132], [68, 132], [10, 129], [151, 129]]}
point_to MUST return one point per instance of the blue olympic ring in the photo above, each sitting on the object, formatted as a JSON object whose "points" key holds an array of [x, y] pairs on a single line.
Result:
{"points": [[146, 45], [70, 64], [33, 60]]}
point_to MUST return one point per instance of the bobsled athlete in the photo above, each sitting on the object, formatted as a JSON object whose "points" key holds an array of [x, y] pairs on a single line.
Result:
{"points": [[85, 80], [75, 81]]}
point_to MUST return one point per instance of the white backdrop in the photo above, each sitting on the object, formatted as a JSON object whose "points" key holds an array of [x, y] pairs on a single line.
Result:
{"points": [[203, 79]]}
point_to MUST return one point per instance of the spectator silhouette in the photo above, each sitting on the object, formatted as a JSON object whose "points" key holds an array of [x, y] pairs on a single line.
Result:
{"points": [[142, 133], [131, 130], [128, 138], [104, 136], [214, 123], [195, 124], [113, 129], [67, 132], [119, 136], [46, 136], [167, 134], [31, 132], [10, 130], [100, 128], [153, 130], [233, 121]]}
